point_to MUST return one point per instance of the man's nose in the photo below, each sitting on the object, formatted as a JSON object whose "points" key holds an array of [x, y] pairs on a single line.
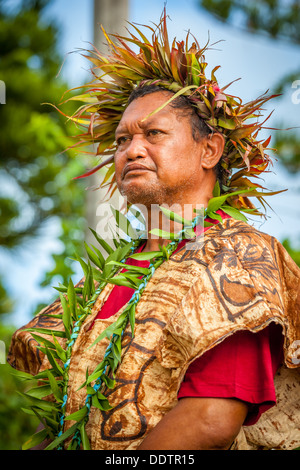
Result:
{"points": [[136, 148]]}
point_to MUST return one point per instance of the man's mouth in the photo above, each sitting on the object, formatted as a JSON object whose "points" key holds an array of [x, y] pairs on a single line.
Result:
{"points": [[134, 168]]}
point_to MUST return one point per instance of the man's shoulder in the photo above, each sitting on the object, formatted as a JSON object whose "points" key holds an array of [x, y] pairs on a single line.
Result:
{"points": [[238, 240], [239, 229]]}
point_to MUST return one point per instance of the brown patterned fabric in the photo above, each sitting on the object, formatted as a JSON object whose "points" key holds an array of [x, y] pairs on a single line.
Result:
{"points": [[236, 279]]}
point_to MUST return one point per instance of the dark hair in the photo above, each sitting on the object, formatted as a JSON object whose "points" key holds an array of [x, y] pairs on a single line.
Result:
{"points": [[182, 103]]}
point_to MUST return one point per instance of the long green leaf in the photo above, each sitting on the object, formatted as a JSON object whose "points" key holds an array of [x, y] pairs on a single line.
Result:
{"points": [[124, 223], [82, 263], [120, 281], [43, 404], [77, 415], [89, 286], [63, 437], [72, 299], [66, 315], [39, 392], [235, 213], [176, 217], [93, 257], [35, 439], [49, 424], [163, 234], [147, 255], [105, 334], [59, 350], [102, 405], [102, 242], [60, 334], [180, 92], [44, 341], [84, 438], [54, 387], [54, 364], [130, 267], [132, 319], [110, 383], [100, 257]]}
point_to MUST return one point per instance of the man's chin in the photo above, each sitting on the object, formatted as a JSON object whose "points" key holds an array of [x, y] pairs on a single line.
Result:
{"points": [[142, 195]]}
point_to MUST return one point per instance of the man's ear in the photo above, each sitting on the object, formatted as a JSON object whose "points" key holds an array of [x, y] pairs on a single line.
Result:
{"points": [[214, 150]]}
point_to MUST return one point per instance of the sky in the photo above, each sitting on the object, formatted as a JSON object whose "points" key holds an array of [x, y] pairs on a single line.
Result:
{"points": [[259, 62]]}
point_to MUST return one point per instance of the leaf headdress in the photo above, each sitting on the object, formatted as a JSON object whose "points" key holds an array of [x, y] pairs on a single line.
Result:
{"points": [[179, 68]]}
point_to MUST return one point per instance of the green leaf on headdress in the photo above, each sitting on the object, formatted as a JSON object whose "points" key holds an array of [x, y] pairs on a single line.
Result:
{"points": [[179, 93], [216, 190], [226, 123]]}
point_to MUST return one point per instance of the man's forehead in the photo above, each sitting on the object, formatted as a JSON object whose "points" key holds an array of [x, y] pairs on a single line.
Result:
{"points": [[143, 120], [140, 115]]}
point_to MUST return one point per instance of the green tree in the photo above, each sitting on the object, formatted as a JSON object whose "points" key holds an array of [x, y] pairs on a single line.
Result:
{"points": [[276, 19], [35, 172], [15, 425], [279, 20]]}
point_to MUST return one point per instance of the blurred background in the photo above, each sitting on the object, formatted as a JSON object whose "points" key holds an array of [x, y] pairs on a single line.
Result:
{"points": [[44, 213]]}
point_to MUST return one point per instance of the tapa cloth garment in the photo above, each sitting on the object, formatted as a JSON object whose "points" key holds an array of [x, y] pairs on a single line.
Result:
{"points": [[237, 279]]}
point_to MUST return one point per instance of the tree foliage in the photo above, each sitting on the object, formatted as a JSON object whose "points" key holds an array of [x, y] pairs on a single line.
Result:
{"points": [[280, 21], [15, 425], [275, 18]]}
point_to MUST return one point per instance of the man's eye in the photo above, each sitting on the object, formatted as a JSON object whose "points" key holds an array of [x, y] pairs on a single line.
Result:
{"points": [[154, 132], [122, 140]]}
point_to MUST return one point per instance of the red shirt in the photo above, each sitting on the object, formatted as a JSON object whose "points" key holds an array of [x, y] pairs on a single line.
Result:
{"points": [[242, 366]]}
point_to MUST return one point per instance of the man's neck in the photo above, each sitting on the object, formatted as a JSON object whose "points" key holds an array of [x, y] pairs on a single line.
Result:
{"points": [[157, 220]]}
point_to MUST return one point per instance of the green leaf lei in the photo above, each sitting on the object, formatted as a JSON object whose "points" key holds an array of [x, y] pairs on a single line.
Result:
{"points": [[77, 303]]}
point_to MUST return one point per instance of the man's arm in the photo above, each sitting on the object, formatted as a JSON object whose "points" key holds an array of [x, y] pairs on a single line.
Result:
{"points": [[198, 423]]}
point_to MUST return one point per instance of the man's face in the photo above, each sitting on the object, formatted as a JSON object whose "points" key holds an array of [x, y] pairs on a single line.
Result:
{"points": [[157, 160]]}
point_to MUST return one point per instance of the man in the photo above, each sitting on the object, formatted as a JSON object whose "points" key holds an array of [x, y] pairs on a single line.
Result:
{"points": [[197, 367]]}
